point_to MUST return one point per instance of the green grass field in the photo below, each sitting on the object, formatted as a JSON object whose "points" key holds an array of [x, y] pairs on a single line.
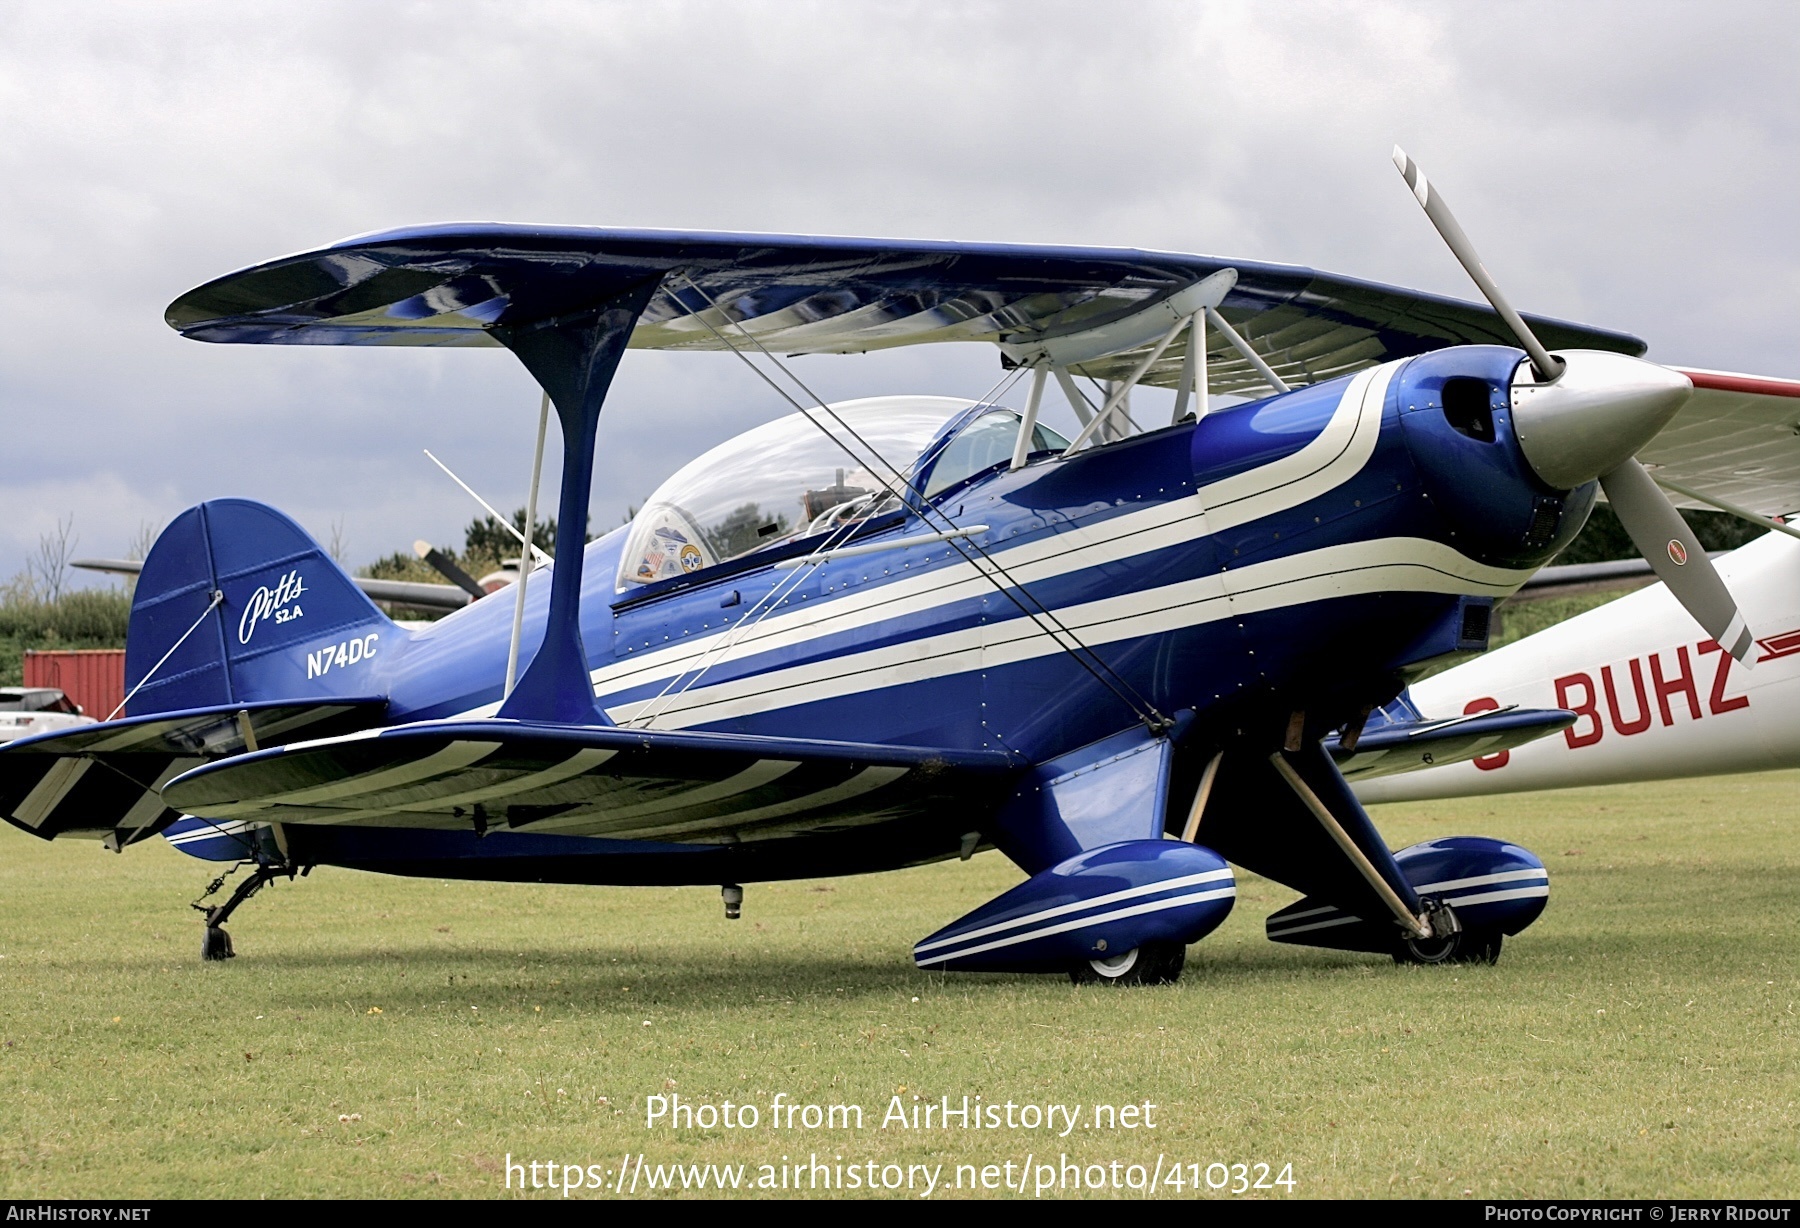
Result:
{"points": [[396, 1037]]}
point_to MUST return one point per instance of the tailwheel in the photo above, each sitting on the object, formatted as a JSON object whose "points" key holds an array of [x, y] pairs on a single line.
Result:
{"points": [[1154, 963], [215, 943]]}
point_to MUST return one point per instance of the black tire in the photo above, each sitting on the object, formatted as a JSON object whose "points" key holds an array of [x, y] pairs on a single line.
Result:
{"points": [[215, 944], [1154, 963], [1463, 947]]}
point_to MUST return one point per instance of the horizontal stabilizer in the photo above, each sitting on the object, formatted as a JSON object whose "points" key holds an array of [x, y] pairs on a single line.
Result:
{"points": [[1397, 738], [608, 782], [103, 781]]}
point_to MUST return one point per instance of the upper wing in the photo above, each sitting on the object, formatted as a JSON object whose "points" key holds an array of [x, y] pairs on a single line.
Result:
{"points": [[1738, 439], [449, 285], [590, 781]]}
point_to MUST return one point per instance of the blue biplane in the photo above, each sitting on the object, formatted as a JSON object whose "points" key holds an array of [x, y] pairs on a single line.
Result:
{"points": [[882, 632]]}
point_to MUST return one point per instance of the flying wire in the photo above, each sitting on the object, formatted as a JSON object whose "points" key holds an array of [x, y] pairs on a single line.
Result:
{"points": [[767, 603], [1012, 589], [1117, 685]]}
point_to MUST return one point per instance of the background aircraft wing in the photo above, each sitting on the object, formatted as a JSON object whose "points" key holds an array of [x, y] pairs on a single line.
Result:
{"points": [[1737, 439], [1397, 738], [453, 284], [399, 592], [618, 783]]}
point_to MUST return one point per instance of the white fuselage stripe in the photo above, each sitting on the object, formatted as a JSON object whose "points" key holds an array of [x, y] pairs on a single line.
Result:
{"points": [[1384, 565], [1137, 910], [1099, 901], [212, 831], [1337, 454], [1484, 880]]}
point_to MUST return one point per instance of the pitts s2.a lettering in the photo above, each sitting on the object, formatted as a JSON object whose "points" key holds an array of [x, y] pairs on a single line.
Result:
{"points": [[279, 603]]}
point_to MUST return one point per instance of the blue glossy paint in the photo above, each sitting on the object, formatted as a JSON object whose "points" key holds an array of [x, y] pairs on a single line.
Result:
{"points": [[1326, 653], [1445, 869], [1104, 902], [1241, 585], [452, 284], [1494, 887], [1109, 792], [575, 362], [281, 590]]}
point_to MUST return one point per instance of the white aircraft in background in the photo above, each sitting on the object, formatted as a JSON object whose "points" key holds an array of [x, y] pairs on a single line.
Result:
{"points": [[1654, 697]]}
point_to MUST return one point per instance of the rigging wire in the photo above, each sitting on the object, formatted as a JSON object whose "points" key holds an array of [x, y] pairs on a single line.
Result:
{"points": [[768, 602], [1013, 589], [217, 597]]}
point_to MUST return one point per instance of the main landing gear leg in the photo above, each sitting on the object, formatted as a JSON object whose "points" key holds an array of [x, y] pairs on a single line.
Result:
{"points": [[215, 943]]}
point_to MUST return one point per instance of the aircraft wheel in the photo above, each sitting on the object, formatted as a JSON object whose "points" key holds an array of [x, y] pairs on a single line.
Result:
{"points": [[1464, 947], [1154, 963]]}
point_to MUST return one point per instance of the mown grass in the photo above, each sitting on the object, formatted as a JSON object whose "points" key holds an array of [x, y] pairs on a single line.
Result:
{"points": [[1640, 1040]]}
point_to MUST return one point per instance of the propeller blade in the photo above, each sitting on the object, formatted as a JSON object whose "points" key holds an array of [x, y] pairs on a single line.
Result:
{"points": [[1571, 427], [1547, 366], [1664, 539]]}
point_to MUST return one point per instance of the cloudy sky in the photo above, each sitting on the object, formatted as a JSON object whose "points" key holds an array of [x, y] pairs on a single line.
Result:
{"points": [[1633, 165]]}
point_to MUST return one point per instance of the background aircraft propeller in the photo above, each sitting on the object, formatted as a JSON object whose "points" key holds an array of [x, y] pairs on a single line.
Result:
{"points": [[1585, 418]]}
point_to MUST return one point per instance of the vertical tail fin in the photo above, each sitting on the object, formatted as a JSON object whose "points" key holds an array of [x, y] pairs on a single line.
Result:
{"points": [[266, 613]]}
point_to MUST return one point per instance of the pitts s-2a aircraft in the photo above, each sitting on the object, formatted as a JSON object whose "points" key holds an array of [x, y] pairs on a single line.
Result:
{"points": [[884, 632]]}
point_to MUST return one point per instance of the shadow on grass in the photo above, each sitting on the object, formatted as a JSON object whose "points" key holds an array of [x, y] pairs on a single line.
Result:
{"points": [[596, 978]]}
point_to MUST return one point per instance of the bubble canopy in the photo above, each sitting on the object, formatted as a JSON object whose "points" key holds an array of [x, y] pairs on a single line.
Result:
{"points": [[788, 479]]}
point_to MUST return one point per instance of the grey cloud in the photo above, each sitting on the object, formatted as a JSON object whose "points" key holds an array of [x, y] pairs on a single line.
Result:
{"points": [[1628, 164]]}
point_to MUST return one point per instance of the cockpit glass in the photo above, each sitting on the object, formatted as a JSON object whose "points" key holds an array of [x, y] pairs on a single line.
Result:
{"points": [[982, 444], [782, 480]]}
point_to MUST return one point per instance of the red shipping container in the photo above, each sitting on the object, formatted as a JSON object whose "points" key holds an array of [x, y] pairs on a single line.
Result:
{"points": [[92, 677]]}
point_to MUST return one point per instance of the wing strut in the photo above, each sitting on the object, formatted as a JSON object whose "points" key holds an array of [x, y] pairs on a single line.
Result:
{"points": [[1084, 412], [1028, 424], [1247, 350], [518, 627], [573, 358], [1193, 374], [1117, 399]]}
